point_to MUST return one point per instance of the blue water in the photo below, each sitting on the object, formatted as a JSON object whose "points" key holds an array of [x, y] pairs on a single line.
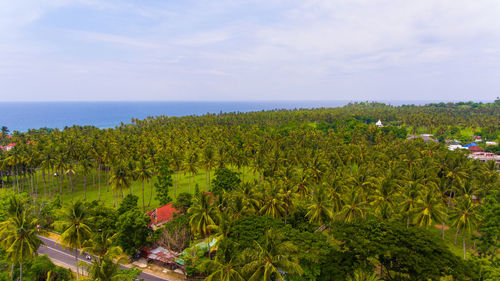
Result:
{"points": [[21, 116]]}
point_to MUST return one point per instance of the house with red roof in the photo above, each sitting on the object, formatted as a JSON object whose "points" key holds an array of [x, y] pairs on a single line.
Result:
{"points": [[475, 148], [162, 215], [8, 147]]}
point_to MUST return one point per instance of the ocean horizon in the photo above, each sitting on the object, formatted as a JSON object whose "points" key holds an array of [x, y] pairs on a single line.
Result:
{"points": [[22, 116]]}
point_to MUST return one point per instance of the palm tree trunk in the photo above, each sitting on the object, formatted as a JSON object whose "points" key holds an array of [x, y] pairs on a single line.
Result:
{"points": [[408, 221], [21, 271], [463, 240], [456, 236], [143, 204], [76, 260], [106, 175], [209, 171], [12, 271], [17, 180], [51, 183], [71, 184], [44, 184], [151, 194], [206, 180], [99, 179], [85, 187], [62, 183]]}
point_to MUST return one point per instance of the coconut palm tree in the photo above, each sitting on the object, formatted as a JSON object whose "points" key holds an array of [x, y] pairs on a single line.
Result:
{"points": [[273, 258], [86, 168], [120, 179], [429, 209], [208, 163], [103, 267], [354, 206], [20, 238], [411, 193], [465, 218], [143, 173], [384, 196], [70, 171], [273, 204], [74, 229], [192, 166], [320, 208], [362, 275], [224, 267], [202, 214]]}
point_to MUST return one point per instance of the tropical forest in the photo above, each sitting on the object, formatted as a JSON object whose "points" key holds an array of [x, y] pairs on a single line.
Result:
{"points": [[366, 191]]}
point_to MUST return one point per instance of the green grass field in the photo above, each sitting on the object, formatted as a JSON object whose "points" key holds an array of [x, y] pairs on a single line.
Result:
{"points": [[136, 189]]}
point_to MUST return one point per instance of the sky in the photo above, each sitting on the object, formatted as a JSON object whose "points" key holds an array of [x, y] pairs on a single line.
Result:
{"points": [[210, 50]]}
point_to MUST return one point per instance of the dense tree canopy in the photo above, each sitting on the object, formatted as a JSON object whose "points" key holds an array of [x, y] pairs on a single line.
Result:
{"points": [[342, 197]]}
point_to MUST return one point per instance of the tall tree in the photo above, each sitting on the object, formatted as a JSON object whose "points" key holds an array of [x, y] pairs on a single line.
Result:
{"points": [[20, 238], [143, 173], [465, 218], [202, 214], [75, 231], [267, 261]]}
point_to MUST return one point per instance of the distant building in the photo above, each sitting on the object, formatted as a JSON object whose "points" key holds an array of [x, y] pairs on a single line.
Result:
{"points": [[488, 143], [8, 147], [453, 147], [162, 215], [485, 156], [426, 137], [452, 142], [475, 148], [379, 124], [470, 144], [162, 257]]}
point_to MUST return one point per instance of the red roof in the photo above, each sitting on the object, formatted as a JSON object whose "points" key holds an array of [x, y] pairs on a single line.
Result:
{"points": [[475, 148], [162, 214]]}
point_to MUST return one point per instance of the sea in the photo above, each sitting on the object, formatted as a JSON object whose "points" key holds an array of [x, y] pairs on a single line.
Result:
{"points": [[22, 116]]}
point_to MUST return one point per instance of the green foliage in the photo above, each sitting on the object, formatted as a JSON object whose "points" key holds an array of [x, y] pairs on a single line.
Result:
{"points": [[489, 269], [307, 168], [128, 203], [490, 225], [133, 231], [397, 132], [225, 180], [39, 268], [101, 218], [164, 182], [249, 229], [317, 257], [410, 253], [183, 202]]}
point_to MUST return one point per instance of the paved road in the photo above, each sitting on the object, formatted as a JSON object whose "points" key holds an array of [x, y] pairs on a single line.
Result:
{"points": [[67, 257]]}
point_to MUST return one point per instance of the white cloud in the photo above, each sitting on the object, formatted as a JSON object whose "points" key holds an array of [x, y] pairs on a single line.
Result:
{"points": [[264, 49]]}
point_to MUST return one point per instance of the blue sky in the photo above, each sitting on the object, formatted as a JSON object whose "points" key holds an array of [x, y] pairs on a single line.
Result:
{"points": [[249, 50]]}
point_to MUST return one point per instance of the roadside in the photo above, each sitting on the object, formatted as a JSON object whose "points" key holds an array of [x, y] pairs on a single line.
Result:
{"points": [[151, 269]]}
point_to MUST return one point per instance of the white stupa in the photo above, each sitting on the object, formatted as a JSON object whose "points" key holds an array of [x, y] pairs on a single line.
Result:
{"points": [[379, 124]]}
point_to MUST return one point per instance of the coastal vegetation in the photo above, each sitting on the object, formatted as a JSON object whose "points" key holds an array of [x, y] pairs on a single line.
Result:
{"points": [[306, 194]]}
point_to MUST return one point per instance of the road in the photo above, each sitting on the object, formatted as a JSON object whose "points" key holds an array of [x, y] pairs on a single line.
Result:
{"points": [[66, 257]]}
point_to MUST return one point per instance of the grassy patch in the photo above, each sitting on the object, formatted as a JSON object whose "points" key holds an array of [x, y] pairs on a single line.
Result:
{"points": [[187, 184]]}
